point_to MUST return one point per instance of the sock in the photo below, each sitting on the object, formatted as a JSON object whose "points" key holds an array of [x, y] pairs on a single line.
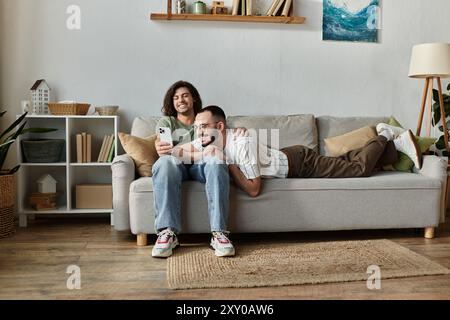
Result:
{"points": [[397, 144], [387, 134]]}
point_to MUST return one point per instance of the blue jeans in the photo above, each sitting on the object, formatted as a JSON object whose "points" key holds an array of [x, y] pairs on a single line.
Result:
{"points": [[169, 173]]}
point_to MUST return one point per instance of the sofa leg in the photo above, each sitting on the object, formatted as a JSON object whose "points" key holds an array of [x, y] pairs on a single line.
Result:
{"points": [[141, 239], [429, 232]]}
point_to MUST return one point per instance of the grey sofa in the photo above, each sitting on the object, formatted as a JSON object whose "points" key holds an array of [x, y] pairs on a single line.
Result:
{"points": [[386, 200]]}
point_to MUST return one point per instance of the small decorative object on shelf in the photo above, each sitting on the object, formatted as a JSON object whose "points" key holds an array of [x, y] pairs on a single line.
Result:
{"points": [[181, 6], [40, 96], [69, 108], [218, 7], [44, 201], [106, 110], [46, 198], [25, 106], [46, 184], [199, 7]]}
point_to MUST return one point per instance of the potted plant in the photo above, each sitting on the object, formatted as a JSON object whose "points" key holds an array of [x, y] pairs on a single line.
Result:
{"points": [[440, 144], [7, 185]]}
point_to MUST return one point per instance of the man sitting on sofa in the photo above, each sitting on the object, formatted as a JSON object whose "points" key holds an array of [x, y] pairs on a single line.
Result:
{"points": [[182, 102], [247, 167]]}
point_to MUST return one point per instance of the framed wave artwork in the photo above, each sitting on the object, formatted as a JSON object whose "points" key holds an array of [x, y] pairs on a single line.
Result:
{"points": [[351, 20]]}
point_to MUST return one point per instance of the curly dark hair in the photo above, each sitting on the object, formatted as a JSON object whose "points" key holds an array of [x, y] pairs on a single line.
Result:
{"points": [[168, 108]]}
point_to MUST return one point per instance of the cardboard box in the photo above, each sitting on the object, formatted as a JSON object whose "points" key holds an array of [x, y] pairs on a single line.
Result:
{"points": [[93, 196]]}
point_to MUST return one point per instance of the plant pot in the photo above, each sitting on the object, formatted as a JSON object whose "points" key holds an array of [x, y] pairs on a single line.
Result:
{"points": [[7, 198], [43, 150]]}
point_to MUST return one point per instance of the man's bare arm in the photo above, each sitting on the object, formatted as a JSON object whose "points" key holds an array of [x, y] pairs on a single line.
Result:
{"points": [[187, 153], [251, 186]]}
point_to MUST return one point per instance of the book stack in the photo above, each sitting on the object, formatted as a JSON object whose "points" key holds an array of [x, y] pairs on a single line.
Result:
{"points": [[106, 153], [44, 201], [84, 147], [242, 8], [280, 8]]}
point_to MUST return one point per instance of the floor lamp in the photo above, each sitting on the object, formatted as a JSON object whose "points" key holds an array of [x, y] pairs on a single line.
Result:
{"points": [[431, 61]]}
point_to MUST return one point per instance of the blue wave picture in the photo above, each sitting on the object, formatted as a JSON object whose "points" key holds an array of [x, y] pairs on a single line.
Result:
{"points": [[350, 20]]}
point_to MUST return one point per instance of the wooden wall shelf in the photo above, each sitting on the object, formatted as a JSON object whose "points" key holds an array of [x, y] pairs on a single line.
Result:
{"points": [[228, 18]]}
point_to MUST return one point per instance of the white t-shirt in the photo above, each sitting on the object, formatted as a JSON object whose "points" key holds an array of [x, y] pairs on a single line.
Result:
{"points": [[253, 159]]}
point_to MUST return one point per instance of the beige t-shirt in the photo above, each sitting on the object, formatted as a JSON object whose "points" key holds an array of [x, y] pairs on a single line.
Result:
{"points": [[181, 134]]}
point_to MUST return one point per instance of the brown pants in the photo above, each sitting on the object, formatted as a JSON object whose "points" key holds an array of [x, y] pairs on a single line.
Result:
{"points": [[306, 163]]}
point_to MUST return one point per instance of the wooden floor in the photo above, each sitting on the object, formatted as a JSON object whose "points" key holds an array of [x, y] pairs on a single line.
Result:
{"points": [[34, 261]]}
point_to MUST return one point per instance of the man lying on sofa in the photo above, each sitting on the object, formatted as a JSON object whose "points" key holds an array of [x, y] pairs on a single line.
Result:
{"points": [[247, 168]]}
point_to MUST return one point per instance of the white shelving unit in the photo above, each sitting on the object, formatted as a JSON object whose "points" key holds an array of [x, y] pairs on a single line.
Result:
{"points": [[68, 173]]}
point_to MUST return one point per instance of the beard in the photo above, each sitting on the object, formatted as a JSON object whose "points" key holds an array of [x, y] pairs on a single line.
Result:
{"points": [[206, 141]]}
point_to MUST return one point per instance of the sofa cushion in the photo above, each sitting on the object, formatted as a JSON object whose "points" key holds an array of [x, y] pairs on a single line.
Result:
{"points": [[293, 129], [382, 180], [144, 126], [404, 163], [329, 126], [336, 146], [141, 150]]}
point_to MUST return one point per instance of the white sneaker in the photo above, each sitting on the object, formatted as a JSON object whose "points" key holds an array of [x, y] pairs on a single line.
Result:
{"points": [[221, 244], [394, 131], [167, 240], [407, 143]]}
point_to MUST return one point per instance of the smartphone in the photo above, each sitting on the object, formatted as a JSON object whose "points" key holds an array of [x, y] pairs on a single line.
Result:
{"points": [[165, 134]]}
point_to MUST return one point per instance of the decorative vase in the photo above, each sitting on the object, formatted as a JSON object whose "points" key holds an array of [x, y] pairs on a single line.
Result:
{"points": [[199, 7], [181, 6]]}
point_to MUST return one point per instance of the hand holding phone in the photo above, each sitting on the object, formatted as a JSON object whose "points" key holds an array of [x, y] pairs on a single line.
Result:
{"points": [[164, 145], [165, 135]]}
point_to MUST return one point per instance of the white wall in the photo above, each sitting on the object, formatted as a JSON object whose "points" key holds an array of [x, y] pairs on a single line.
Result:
{"points": [[122, 57]]}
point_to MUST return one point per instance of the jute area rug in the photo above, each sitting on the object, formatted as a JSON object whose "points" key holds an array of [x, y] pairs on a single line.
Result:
{"points": [[295, 264]]}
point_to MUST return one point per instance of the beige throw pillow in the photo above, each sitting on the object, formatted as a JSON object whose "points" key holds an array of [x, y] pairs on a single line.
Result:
{"points": [[352, 140], [141, 150]]}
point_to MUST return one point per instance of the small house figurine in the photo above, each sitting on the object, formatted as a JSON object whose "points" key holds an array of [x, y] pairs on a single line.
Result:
{"points": [[40, 97], [218, 7], [47, 184]]}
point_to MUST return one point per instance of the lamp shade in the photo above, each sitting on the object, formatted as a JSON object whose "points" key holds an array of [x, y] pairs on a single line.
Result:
{"points": [[430, 60]]}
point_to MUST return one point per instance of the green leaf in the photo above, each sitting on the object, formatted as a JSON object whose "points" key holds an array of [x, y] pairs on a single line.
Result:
{"points": [[2, 113], [4, 150], [4, 144], [441, 128], [436, 113], [14, 170], [440, 144], [435, 95], [13, 125], [446, 99], [38, 130]]}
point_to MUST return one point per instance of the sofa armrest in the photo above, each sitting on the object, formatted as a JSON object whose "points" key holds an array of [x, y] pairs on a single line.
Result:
{"points": [[436, 167], [123, 174]]}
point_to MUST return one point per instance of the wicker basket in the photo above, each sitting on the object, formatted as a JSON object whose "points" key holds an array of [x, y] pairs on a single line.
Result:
{"points": [[43, 150], [69, 108], [107, 110], [7, 196]]}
